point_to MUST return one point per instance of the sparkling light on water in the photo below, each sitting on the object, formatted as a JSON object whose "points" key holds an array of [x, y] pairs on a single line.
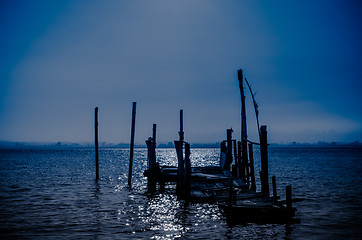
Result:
{"points": [[53, 193]]}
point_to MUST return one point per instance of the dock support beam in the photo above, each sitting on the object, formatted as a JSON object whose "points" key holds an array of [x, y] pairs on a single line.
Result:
{"points": [[132, 144], [96, 141], [264, 161]]}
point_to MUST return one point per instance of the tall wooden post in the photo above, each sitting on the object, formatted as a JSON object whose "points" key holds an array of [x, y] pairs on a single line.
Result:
{"points": [[96, 141], [150, 174], [244, 135], [133, 126], [154, 139], [181, 165], [252, 172], [239, 159], [264, 161], [181, 133], [153, 167]]}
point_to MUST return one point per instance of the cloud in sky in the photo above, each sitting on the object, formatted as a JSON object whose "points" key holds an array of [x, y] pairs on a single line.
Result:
{"points": [[168, 55]]}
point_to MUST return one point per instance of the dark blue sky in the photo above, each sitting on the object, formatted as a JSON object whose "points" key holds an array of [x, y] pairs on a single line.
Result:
{"points": [[60, 59]]}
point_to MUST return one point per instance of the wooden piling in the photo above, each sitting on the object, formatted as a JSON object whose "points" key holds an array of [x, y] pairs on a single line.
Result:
{"points": [[229, 156], [181, 133], [244, 135], [275, 195], [133, 126], [288, 196], [153, 167], [235, 156], [187, 171], [264, 161], [181, 165], [154, 139], [239, 160], [96, 141], [252, 172], [223, 152]]}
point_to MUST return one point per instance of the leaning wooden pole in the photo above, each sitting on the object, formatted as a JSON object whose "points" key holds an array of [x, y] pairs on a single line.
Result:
{"points": [[133, 126], [96, 141], [244, 135]]}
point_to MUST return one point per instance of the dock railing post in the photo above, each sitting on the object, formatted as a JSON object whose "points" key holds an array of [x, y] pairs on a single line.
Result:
{"points": [[264, 161], [252, 173], [96, 141], [132, 143]]}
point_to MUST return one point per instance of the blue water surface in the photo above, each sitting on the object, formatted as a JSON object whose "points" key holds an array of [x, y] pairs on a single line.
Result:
{"points": [[47, 193]]}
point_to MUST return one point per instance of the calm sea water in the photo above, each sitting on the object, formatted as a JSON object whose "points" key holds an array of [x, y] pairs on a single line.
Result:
{"points": [[46, 194]]}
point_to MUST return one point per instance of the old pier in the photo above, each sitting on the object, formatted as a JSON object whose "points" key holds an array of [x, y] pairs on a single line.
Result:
{"points": [[231, 184]]}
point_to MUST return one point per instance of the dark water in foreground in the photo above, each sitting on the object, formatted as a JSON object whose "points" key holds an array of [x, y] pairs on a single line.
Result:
{"points": [[46, 194]]}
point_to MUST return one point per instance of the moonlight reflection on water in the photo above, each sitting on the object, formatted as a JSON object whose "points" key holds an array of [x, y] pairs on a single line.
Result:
{"points": [[52, 193]]}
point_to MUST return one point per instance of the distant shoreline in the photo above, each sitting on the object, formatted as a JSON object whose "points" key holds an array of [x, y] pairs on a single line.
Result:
{"points": [[59, 145]]}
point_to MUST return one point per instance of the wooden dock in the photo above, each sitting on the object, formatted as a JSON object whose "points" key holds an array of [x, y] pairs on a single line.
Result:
{"points": [[235, 199], [231, 184]]}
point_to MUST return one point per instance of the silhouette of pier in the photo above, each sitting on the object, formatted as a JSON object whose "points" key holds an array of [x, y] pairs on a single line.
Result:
{"points": [[231, 184]]}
